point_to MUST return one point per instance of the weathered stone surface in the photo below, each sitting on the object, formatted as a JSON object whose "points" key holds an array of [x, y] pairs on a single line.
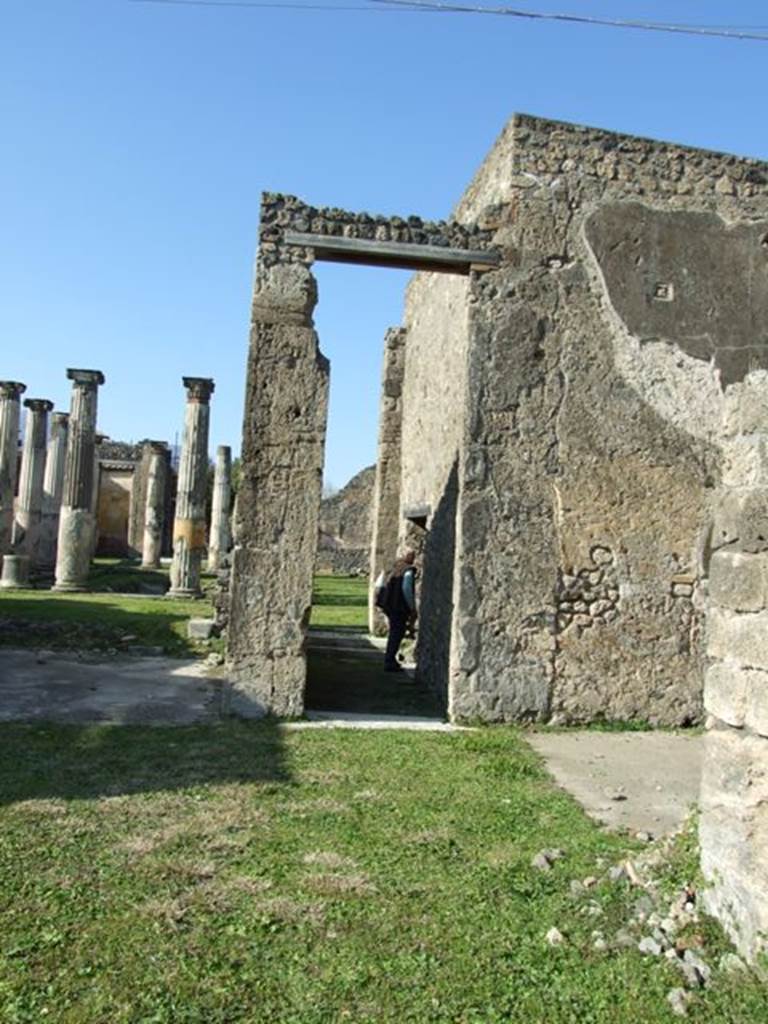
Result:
{"points": [[385, 503], [745, 410], [737, 637], [10, 396], [53, 485], [15, 574], [189, 528], [156, 456], [734, 835], [275, 528], [739, 581], [220, 539], [29, 503], [725, 692], [745, 462], [741, 520], [200, 629], [77, 518]]}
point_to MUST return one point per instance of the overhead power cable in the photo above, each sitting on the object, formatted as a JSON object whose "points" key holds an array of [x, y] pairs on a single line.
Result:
{"points": [[735, 32]]}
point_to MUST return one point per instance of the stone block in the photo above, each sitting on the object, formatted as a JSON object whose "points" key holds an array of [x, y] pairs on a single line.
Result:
{"points": [[200, 629], [733, 833], [725, 692], [741, 520], [745, 405], [739, 581], [738, 637], [745, 461], [756, 715]]}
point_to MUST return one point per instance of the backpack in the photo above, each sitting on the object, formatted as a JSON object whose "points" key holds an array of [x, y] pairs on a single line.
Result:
{"points": [[388, 593]]}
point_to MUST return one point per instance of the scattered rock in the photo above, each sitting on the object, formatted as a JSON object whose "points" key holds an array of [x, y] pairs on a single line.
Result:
{"points": [[649, 946], [616, 873], [554, 937], [703, 972], [544, 859], [731, 964], [589, 882], [200, 629], [678, 1000]]}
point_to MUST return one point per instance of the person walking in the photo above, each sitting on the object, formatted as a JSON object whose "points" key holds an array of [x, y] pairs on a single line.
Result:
{"points": [[396, 597]]}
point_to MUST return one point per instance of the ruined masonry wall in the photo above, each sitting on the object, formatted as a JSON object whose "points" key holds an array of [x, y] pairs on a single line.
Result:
{"points": [[594, 395], [733, 824]]}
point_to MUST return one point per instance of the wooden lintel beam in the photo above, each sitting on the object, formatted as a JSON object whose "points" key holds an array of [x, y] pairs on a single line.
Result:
{"points": [[404, 255]]}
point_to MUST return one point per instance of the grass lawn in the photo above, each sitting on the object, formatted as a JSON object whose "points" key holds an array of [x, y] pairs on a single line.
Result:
{"points": [[242, 873], [340, 602], [103, 618]]}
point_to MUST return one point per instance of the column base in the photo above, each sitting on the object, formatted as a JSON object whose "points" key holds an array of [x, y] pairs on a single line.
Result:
{"points": [[15, 574], [68, 588]]}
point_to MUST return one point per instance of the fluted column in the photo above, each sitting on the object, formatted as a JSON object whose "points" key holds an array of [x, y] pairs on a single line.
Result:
{"points": [[76, 518], [154, 509], [53, 484], [189, 523], [10, 394], [220, 540], [29, 503]]}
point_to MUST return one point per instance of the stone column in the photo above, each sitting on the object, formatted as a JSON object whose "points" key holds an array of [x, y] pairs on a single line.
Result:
{"points": [[98, 440], [10, 394], [53, 485], [275, 529], [734, 792], [154, 506], [189, 523], [220, 540], [386, 489], [29, 503], [76, 527]]}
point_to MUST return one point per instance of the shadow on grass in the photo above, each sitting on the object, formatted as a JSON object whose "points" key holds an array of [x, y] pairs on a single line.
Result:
{"points": [[90, 762], [97, 622], [125, 576], [346, 681]]}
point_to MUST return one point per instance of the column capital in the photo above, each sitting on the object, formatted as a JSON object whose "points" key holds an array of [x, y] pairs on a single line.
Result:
{"points": [[156, 447], [199, 389], [85, 378], [38, 404], [12, 389], [100, 439], [60, 418]]}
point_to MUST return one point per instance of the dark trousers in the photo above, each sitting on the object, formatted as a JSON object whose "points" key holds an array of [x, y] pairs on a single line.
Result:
{"points": [[397, 624]]}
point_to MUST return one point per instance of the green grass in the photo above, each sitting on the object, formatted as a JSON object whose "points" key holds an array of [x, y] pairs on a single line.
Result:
{"points": [[99, 622], [340, 602], [242, 874], [102, 619]]}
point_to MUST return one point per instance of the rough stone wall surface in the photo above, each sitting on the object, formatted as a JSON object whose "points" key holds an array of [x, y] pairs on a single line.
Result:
{"points": [[734, 792], [591, 449], [432, 430], [385, 503], [276, 514]]}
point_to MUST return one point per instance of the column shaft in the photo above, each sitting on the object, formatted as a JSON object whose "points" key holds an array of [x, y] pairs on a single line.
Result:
{"points": [[53, 485], [220, 537], [76, 518], [10, 394], [154, 508], [29, 504], [189, 524]]}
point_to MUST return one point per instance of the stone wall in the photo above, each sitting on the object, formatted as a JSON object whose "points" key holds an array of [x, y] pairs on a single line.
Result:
{"points": [[113, 510], [591, 447], [734, 794]]}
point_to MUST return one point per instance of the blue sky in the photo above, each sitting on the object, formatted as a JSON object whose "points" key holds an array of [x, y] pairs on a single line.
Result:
{"points": [[136, 138]]}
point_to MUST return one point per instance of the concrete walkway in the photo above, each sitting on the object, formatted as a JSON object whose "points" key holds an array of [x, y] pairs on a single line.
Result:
{"points": [[53, 687], [641, 781]]}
